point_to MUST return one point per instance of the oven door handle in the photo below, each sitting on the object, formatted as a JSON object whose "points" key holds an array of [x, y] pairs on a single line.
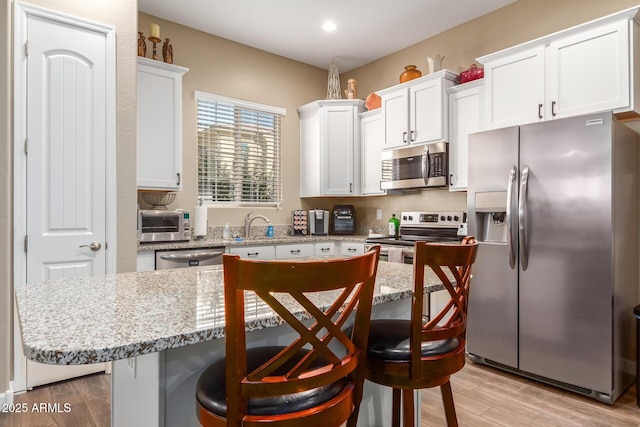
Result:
{"points": [[426, 165]]}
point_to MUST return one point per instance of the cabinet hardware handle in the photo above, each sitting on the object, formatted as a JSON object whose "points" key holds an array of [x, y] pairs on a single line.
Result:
{"points": [[404, 136], [295, 251], [553, 108], [351, 187], [178, 178], [324, 249], [451, 179], [539, 111], [352, 249], [411, 136], [253, 253]]}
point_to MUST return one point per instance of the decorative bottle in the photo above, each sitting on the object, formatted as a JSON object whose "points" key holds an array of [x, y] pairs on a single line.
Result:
{"points": [[394, 226]]}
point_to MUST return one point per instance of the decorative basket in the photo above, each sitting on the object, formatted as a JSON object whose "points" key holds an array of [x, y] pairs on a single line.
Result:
{"points": [[158, 199]]}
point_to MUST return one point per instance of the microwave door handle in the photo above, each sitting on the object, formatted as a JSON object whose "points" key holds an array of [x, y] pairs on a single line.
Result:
{"points": [[426, 165]]}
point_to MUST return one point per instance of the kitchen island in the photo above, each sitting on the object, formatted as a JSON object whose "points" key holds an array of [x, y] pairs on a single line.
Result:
{"points": [[161, 328]]}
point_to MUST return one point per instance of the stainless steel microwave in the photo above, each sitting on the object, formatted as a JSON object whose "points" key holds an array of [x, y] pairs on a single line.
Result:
{"points": [[421, 166], [163, 225]]}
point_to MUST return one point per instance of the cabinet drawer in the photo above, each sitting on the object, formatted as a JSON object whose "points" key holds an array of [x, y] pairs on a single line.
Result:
{"points": [[294, 251], [254, 252], [351, 248], [325, 248]]}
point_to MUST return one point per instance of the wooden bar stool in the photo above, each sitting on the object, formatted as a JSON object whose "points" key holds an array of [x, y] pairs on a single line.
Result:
{"points": [[305, 383], [411, 354]]}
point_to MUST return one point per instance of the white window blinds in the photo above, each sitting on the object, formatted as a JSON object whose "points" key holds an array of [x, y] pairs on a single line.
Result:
{"points": [[238, 151]]}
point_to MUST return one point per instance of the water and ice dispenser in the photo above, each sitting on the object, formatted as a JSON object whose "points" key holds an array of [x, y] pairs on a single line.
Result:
{"points": [[491, 215]]}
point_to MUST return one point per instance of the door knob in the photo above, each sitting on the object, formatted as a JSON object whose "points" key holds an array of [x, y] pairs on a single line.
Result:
{"points": [[94, 246]]}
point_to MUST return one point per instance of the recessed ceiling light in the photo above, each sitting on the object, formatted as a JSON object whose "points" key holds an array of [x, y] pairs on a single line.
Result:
{"points": [[329, 26]]}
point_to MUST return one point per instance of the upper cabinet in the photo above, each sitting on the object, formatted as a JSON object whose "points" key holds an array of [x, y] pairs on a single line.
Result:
{"points": [[159, 125], [415, 112], [330, 148], [372, 138], [465, 117], [581, 70]]}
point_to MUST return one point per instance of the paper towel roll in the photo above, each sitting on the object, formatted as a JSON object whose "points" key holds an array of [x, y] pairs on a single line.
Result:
{"points": [[200, 221]]}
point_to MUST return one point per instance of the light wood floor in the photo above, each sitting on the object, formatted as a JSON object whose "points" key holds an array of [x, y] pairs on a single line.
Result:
{"points": [[483, 397]]}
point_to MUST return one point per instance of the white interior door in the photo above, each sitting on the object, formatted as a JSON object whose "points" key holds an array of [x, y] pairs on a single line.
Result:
{"points": [[67, 129]]}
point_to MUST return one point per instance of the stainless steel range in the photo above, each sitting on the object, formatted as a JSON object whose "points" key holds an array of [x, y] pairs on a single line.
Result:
{"points": [[422, 226]]}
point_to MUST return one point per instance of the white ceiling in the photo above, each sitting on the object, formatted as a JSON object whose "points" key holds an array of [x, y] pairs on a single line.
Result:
{"points": [[367, 29]]}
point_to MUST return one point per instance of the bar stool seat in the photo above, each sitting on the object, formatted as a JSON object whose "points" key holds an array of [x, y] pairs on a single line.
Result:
{"points": [[211, 389]]}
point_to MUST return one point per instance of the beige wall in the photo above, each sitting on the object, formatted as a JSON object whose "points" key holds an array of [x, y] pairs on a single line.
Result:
{"points": [[122, 15], [226, 68]]}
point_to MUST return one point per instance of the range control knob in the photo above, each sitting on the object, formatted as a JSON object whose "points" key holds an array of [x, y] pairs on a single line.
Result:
{"points": [[442, 218], [449, 218], [456, 218]]}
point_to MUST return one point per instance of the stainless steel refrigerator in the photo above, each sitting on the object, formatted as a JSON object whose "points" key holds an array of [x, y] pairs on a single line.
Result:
{"points": [[555, 208]]}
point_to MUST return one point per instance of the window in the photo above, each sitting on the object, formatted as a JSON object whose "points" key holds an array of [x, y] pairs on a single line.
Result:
{"points": [[238, 151]]}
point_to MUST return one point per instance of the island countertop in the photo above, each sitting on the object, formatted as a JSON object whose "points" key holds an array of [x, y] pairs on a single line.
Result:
{"points": [[98, 319]]}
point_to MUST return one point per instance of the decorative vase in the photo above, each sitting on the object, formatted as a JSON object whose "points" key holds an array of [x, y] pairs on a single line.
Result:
{"points": [[410, 73]]}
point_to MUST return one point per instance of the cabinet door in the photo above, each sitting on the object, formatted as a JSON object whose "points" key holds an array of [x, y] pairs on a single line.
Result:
{"points": [[465, 117], [254, 252], [337, 155], [372, 139], [514, 89], [395, 113], [426, 112], [589, 72], [159, 158]]}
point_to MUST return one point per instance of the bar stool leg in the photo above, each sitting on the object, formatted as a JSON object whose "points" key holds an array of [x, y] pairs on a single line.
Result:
{"points": [[407, 408], [449, 408], [395, 414]]}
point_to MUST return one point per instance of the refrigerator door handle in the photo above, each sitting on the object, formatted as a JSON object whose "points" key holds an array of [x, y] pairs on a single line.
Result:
{"points": [[426, 165], [509, 216], [522, 218]]}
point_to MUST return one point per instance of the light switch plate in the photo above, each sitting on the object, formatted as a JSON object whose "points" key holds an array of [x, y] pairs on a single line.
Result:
{"points": [[378, 213]]}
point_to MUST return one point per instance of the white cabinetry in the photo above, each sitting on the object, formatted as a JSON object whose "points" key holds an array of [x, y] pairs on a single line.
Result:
{"points": [[330, 148], [372, 141], [254, 252], [300, 250], [581, 70], [415, 112], [159, 125], [465, 117], [146, 261]]}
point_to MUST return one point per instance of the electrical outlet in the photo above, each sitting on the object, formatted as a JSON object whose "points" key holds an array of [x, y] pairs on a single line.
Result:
{"points": [[378, 213]]}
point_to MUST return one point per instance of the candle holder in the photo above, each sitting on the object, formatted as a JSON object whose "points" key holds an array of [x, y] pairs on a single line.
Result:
{"points": [[154, 40]]}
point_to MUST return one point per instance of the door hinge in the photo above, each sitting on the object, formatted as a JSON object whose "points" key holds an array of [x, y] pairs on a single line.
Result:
{"points": [[26, 48], [26, 242]]}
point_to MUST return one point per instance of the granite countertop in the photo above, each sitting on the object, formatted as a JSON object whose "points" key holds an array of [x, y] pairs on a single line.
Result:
{"points": [[98, 319], [278, 240]]}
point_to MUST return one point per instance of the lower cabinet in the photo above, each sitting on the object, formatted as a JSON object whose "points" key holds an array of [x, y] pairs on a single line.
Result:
{"points": [[146, 261]]}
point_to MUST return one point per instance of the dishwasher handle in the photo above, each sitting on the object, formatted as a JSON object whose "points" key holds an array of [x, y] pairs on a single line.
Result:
{"points": [[201, 255]]}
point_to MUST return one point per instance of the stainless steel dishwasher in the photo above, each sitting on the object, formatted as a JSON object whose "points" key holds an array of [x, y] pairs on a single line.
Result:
{"points": [[183, 258]]}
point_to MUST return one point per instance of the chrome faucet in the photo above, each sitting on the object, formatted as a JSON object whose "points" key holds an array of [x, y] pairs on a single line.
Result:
{"points": [[248, 221]]}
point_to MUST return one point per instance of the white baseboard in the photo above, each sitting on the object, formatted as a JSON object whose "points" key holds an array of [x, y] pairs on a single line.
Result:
{"points": [[6, 398]]}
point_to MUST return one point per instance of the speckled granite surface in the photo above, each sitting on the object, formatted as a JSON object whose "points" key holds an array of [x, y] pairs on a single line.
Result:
{"points": [[88, 320], [214, 242]]}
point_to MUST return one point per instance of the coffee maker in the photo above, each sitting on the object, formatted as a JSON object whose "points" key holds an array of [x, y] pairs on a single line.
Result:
{"points": [[318, 222]]}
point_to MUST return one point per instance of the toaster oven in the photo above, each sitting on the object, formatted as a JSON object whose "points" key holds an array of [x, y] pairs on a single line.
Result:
{"points": [[163, 225]]}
